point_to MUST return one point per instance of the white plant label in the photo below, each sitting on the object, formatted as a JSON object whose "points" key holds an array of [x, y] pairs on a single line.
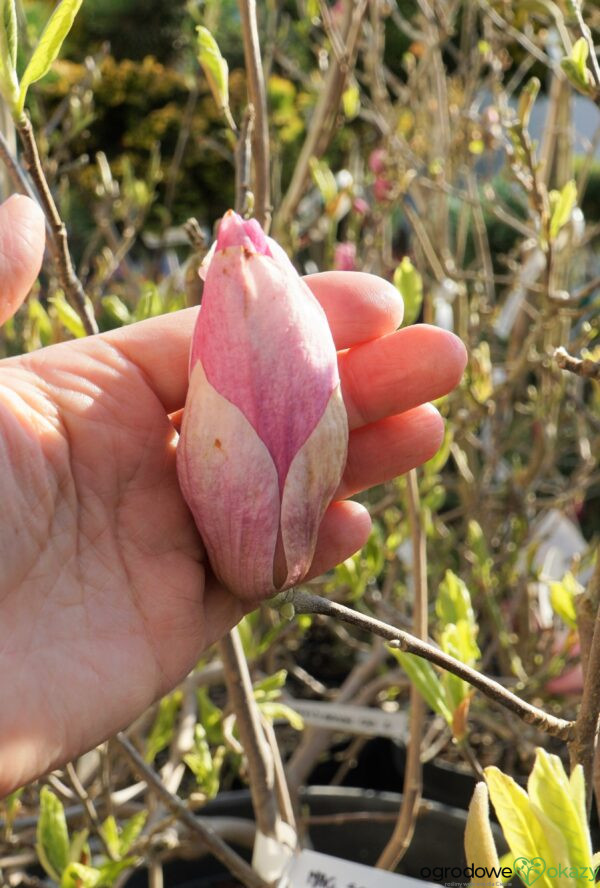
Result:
{"points": [[310, 869], [352, 719]]}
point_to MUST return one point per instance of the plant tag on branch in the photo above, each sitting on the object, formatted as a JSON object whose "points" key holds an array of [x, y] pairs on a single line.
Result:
{"points": [[310, 869], [352, 719]]}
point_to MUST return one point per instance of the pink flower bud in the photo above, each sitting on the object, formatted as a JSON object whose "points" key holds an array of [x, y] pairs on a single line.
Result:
{"points": [[344, 256], [264, 435]]}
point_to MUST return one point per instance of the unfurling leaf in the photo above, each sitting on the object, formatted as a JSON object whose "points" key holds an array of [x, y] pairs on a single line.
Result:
{"points": [[52, 835], [480, 848], [562, 203], [215, 68], [409, 284], [53, 37]]}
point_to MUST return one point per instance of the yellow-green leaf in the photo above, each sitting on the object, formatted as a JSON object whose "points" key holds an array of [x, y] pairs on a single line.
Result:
{"points": [[351, 101], [77, 875], [214, 66], [67, 315], [426, 681], [563, 204], [409, 284], [53, 36], [323, 179], [480, 848], [164, 725], [9, 85], [562, 598], [550, 792], [110, 833], [273, 710], [522, 829], [527, 100], [131, 830], [52, 835]]}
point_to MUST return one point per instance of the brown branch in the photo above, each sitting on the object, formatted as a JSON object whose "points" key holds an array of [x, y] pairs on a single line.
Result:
{"points": [[324, 115], [243, 161], [258, 99], [581, 366], [401, 837], [305, 603], [214, 843], [583, 746], [258, 753], [67, 276]]}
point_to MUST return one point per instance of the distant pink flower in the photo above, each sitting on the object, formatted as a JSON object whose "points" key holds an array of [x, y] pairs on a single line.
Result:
{"points": [[264, 435], [360, 206], [344, 256], [377, 160]]}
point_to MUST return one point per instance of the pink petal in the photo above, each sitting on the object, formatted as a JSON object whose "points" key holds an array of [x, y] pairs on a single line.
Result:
{"points": [[230, 484], [266, 346], [313, 478]]}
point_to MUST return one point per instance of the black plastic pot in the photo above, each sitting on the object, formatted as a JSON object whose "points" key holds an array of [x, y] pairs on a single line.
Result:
{"points": [[437, 841]]}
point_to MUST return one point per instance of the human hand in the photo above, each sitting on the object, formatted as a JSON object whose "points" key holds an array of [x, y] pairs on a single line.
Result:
{"points": [[106, 600]]}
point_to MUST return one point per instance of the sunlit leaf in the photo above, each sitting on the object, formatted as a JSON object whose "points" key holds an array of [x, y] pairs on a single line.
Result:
{"points": [[214, 66], [426, 681], [409, 284], [562, 207], [48, 47], [52, 835], [480, 848]]}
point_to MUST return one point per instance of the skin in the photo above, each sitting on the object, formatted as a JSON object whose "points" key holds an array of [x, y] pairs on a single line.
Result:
{"points": [[106, 600]]}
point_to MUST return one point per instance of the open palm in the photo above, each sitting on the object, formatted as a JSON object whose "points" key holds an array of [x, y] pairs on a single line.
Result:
{"points": [[105, 598]]}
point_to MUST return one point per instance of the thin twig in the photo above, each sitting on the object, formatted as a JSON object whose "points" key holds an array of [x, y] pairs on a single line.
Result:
{"points": [[324, 115], [258, 753], [68, 278], [305, 603], [258, 99], [581, 366], [243, 161], [229, 858], [401, 837], [90, 810]]}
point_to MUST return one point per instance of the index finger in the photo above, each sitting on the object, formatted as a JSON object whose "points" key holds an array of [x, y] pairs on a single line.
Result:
{"points": [[359, 307]]}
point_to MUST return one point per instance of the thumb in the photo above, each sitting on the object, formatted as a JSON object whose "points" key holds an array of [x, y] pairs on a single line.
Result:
{"points": [[22, 237]]}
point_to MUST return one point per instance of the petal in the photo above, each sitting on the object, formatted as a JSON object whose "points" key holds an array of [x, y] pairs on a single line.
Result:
{"points": [[230, 484], [266, 346], [309, 487]]}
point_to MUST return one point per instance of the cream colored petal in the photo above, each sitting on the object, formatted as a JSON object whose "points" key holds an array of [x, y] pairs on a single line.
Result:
{"points": [[313, 478], [230, 484]]}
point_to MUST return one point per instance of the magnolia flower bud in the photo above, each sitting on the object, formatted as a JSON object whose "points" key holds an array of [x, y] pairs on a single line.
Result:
{"points": [[264, 435]]}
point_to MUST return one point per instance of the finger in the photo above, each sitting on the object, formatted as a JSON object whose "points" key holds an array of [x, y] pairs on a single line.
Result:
{"points": [[344, 530], [399, 371], [22, 236], [390, 447], [359, 307]]}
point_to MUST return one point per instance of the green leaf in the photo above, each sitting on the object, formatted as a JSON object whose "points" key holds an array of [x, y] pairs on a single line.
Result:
{"points": [[110, 834], [351, 101], [77, 845], [164, 725], [150, 303], [40, 322], [77, 875], [203, 766], [453, 601], [269, 688], [551, 794], [210, 717], [527, 99], [52, 835], [116, 309], [409, 284], [9, 85], [426, 681], [131, 830], [480, 848], [108, 871], [522, 829], [53, 36], [273, 710], [562, 203], [323, 179], [214, 67], [67, 315], [562, 598]]}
